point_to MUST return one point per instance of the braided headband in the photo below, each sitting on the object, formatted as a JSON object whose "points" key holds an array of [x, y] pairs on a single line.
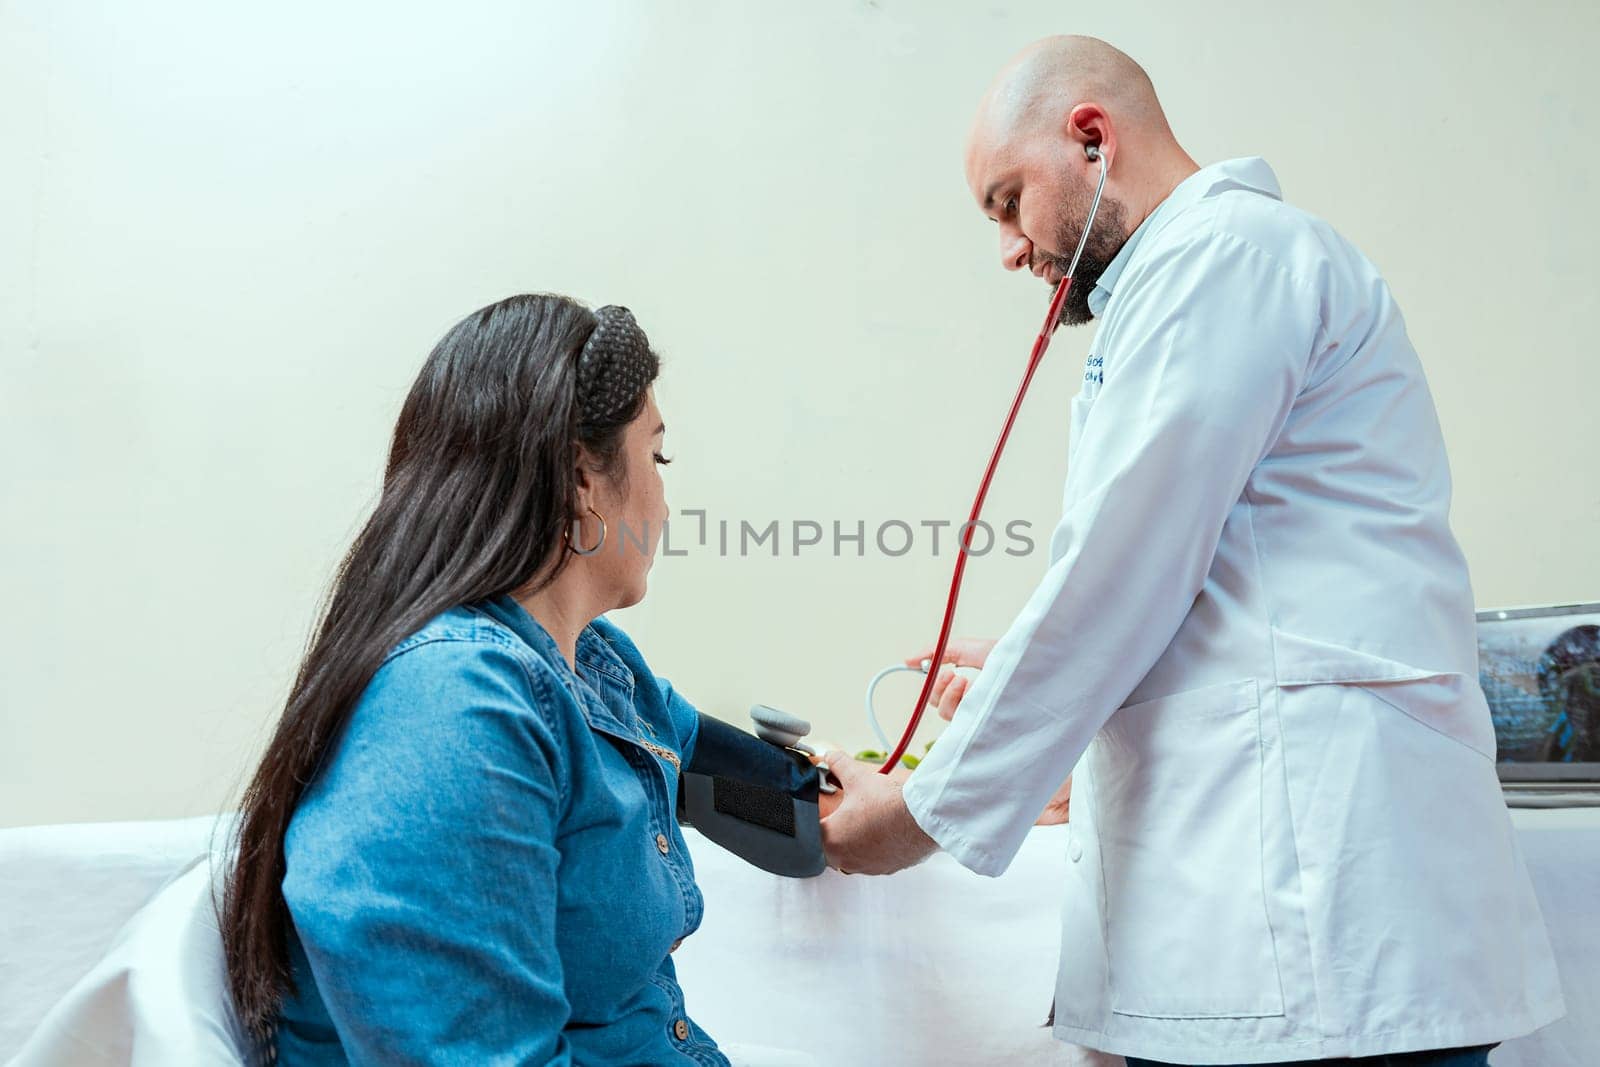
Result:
{"points": [[615, 366]]}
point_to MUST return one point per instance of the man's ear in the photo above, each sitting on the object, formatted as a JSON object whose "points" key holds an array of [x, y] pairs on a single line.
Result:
{"points": [[1089, 124]]}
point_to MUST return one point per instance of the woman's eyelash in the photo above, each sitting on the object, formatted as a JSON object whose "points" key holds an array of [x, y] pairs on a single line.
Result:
{"points": [[663, 460]]}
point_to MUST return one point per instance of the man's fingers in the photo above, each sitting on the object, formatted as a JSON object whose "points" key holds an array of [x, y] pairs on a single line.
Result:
{"points": [[927, 653], [844, 767], [952, 698], [940, 684], [956, 651]]}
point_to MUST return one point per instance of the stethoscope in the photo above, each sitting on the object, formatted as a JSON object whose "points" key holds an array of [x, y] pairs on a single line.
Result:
{"points": [[930, 666], [786, 730]]}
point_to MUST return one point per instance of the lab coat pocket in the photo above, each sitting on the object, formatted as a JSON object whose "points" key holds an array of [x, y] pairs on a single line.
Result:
{"points": [[1448, 704], [1179, 783]]}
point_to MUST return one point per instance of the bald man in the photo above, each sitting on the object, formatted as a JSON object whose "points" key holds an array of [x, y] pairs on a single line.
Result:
{"points": [[1255, 641]]}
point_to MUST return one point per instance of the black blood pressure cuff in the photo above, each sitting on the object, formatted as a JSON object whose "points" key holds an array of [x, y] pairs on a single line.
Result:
{"points": [[755, 799]]}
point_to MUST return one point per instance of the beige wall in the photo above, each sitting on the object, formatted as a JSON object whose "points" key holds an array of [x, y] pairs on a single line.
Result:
{"points": [[228, 239]]}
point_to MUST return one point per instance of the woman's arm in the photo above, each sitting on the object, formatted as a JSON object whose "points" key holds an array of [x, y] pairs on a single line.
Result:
{"points": [[719, 748], [685, 718], [422, 866]]}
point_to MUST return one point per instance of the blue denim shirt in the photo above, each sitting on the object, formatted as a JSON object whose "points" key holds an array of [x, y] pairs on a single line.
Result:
{"points": [[488, 869]]}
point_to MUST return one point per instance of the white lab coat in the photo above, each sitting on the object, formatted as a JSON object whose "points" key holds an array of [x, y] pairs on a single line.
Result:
{"points": [[1255, 643]]}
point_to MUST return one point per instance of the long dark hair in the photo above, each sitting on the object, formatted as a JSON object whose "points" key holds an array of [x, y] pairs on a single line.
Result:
{"points": [[480, 487]]}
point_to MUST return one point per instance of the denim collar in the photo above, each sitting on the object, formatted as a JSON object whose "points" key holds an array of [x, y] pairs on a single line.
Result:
{"points": [[1251, 173], [595, 656]]}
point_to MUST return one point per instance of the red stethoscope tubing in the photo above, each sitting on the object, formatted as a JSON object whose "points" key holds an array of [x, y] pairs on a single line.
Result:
{"points": [[1039, 345]]}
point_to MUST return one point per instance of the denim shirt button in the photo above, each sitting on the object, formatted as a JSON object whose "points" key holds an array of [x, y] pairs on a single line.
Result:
{"points": [[662, 845], [675, 945], [680, 1030]]}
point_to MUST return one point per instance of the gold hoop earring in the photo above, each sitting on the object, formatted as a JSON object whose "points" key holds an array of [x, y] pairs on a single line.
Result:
{"points": [[566, 536]]}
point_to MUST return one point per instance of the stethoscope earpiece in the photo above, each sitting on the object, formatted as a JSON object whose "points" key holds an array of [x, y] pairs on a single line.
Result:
{"points": [[1092, 151]]}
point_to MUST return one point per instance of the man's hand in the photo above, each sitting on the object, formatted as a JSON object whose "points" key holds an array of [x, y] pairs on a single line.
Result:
{"points": [[950, 687], [1055, 812], [870, 831], [827, 803]]}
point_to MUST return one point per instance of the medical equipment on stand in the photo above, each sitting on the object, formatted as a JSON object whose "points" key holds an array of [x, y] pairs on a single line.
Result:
{"points": [[1052, 320]]}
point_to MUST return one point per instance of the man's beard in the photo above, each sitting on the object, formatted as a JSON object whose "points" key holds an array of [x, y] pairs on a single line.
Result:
{"points": [[1106, 238]]}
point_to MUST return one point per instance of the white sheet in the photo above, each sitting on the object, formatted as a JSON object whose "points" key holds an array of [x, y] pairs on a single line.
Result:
{"points": [[65, 891], [156, 998], [931, 966], [934, 965]]}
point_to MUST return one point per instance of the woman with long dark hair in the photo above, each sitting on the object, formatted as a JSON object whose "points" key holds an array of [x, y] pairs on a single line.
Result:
{"points": [[459, 845]]}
